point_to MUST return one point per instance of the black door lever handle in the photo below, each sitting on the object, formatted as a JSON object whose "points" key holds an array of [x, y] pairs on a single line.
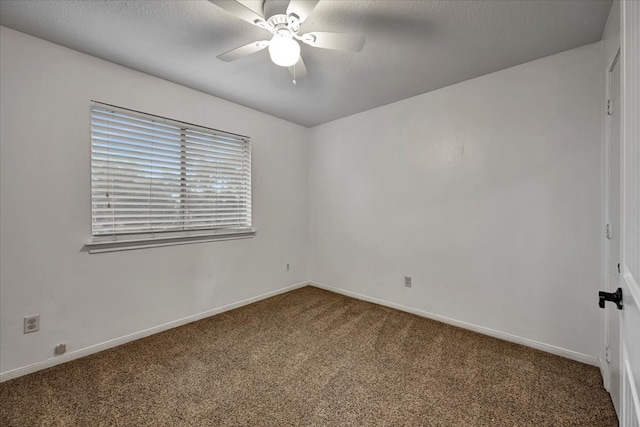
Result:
{"points": [[615, 297]]}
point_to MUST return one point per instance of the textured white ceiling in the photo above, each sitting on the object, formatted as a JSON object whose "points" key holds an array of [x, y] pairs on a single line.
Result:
{"points": [[412, 46]]}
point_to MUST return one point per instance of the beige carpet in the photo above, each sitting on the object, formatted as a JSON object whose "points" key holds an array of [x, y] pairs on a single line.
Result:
{"points": [[313, 358]]}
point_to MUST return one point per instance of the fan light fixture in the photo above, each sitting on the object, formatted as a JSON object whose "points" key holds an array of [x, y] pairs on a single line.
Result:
{"points": [[285, 37], [284, 51]]}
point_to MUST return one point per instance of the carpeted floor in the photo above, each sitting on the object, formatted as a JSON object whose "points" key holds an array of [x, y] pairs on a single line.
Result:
{"points": [[314, 358]]}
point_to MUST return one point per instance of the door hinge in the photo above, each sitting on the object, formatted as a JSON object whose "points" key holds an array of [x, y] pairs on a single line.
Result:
{"points": [[609, 108], [608, 231], [614, 297], [606, 355]]}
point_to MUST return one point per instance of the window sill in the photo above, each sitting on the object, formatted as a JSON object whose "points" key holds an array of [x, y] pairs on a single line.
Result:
{"points": [[159, 241]]}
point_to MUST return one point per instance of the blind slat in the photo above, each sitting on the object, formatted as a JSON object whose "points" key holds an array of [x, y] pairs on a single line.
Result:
{"points": [[113, 158]]}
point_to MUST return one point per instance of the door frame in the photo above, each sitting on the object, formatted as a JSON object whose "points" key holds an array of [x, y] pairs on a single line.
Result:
{"points": [[606, 215]]}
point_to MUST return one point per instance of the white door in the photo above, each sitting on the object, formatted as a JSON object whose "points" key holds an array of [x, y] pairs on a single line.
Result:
{"points": [[620, 323], [630, 231], [613, 234]]}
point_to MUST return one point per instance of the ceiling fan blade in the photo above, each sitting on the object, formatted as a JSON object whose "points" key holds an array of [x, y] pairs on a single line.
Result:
{"points": [[242, 51], [336, 41], [302, 8], [241, 11], [299, 70]]}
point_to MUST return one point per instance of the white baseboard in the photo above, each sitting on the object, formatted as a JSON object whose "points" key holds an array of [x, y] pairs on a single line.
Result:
{"points": [[559, 351], [18, 372]]}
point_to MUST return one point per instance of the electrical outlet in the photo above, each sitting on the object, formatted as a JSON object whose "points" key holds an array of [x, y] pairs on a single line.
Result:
{"points": [[60, 349], [288, 267], [407, 281], [32, 324]]}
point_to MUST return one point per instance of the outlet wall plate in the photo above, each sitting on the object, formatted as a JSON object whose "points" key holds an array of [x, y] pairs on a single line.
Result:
{"points": [[31, 324], [407, 281]]}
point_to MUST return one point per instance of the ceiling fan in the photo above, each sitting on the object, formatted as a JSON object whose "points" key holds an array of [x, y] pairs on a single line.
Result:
{"points": [[283, 18]]}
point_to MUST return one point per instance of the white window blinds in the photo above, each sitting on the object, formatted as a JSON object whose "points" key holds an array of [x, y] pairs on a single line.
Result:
{"points": [[152, 175]]}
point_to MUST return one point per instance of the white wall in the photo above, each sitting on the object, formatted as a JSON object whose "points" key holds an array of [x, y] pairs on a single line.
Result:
{"points": [[85, 300], [611, 34], [487, 193]]}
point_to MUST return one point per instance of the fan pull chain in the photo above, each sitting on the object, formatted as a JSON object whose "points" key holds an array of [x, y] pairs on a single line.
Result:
{"points": [[294, 74]]}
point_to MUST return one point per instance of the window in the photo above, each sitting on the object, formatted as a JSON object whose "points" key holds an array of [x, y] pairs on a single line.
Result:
{"points": [[155, 178]]}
